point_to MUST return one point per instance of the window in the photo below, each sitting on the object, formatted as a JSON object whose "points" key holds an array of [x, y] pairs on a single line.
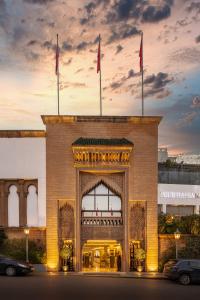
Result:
{"points": [[195, 264], [180, 210], [32, 206], [101, 201], [13, 207]]}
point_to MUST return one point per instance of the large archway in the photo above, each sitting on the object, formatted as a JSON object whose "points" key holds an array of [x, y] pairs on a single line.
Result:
{"points": [[101, 256], [101, 211]]}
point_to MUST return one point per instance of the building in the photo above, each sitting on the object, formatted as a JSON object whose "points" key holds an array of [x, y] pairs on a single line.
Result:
{"points": [[189, 159], [101, 188], [162, 154], [179, 189]]}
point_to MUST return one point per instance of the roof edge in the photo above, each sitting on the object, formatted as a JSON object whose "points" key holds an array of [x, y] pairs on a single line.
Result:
{"points": [[22, 133], [56, 119]]}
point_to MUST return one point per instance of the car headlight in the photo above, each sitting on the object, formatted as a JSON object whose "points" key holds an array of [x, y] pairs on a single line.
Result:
{"points": [[21, 265]]}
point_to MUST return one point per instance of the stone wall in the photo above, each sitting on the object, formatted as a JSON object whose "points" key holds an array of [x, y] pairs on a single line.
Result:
{"points": [[36, 233]]}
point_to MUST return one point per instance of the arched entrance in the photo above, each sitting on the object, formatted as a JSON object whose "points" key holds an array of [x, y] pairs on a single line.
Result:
{"points": [[101, 256], [102, 225]]}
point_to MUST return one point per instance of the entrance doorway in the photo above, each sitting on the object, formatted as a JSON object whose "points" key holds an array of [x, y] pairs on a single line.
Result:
{"points": [[101, 256]]}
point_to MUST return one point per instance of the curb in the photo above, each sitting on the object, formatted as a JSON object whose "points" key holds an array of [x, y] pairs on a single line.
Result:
{"points": [[135, 276]]}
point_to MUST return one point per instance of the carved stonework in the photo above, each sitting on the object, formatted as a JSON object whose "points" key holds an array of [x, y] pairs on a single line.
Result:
{"points": [[113, 181], [137, 221], [104, 233], [66, 216], [22, 186]]}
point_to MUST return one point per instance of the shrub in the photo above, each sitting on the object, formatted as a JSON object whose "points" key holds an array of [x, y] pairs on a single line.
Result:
{"points": [[191, 249], [3, 237], [16, 248], [168, 224]]}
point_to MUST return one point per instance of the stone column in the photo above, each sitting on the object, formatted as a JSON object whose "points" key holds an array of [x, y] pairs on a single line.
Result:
{"points": [[78, 226], [3, 206], [22, 204], [125, 247]]}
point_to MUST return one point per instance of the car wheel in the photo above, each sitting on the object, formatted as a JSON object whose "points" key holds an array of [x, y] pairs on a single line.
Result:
{"points": [[184, 279], [10, 271]]}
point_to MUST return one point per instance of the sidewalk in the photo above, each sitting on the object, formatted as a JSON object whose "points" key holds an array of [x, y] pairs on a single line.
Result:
{"points": [[142, 275]]}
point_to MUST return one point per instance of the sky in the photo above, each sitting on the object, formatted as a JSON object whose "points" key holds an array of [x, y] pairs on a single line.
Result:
{"points": [[171, 30]]}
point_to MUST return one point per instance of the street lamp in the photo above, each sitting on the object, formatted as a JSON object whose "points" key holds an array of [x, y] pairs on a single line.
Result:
{"points": [[27, 231], [177, 236]]}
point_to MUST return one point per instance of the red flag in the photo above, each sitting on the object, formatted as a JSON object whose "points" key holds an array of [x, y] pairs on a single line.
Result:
{"points": [[57, 57], [99, 56], [141, 53]]}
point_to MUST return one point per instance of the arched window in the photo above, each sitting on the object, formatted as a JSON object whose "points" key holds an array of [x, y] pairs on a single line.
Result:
{"points": [[13, 207], [101, 201], [32, 206]]}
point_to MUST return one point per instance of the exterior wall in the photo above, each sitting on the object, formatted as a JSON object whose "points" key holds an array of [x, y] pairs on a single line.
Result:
{"points": [[140, 177], [24, 158], [179, 174], [36, 234], [162, 154], [179, 194]]}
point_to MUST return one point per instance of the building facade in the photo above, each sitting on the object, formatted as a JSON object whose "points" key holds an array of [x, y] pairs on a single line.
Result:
{"points": [[101, 179], [92, 181], [179, 189]]}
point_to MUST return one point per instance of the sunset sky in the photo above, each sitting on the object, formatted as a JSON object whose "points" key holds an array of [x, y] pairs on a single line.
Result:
{"points": [[171, 30]]}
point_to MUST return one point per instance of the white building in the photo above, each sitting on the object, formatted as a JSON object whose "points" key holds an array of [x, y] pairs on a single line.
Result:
{"points": [[179, 189], [22, 161], [162, 155], [193, 159], [179, 199]]}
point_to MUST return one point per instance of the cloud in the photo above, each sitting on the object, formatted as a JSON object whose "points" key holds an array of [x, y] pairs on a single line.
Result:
{"points": [[82, 46], [197, 39], [156, 14], [3, 14], [32, 43], [67, 46], [119, 48], [124, 10], [32, 56], [41, 2], [68, 62], [65, 85], [90, 9], [79, 70], [156, 85], [194, 6], [122, 32], [196, 102], [186, 55], [187, 119], [117, 84]]}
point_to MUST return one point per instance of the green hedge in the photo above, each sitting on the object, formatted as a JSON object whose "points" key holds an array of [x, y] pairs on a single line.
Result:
{"points": [[16, 248], [168, 224]]}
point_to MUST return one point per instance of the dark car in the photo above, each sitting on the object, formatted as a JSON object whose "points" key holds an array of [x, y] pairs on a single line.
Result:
{"points": [[183, 270], [12, 267]]}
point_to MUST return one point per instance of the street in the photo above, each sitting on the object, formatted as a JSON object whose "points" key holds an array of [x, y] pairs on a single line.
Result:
{"points": [[82, 287]]}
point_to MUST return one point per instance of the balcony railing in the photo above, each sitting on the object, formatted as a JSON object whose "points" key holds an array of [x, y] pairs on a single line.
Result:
{"points": [[101, 218]]}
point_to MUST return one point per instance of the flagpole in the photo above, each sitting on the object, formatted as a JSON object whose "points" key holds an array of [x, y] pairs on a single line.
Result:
{"points": [[58, 79], [100, 78], [142, 77]]}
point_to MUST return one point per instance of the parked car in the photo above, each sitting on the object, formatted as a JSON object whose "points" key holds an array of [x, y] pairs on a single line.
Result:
{"points": [[185, 271], [12, 267]]}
